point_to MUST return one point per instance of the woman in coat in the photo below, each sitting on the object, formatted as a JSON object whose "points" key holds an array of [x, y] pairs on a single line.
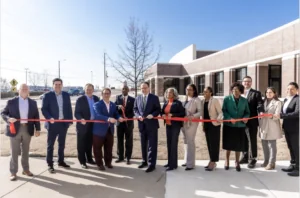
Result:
{"points": [[270, 129], [172, 108], [192, 107], [211, 110], [234, 107]]}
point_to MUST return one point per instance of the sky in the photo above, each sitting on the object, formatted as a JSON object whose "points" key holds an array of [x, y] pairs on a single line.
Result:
{"points": [[36, 34]]}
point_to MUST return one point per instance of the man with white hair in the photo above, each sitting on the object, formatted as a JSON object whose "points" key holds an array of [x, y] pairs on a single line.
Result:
{"points": [[17, 111]]}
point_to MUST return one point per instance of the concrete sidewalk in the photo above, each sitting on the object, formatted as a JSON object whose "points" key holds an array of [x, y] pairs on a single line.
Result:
{"points": [[129, 181]]}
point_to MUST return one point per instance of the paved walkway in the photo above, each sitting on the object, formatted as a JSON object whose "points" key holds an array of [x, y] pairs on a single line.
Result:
{"points": [[128, 181]]}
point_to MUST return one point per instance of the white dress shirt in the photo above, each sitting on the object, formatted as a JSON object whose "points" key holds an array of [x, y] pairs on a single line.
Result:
{"points": [[246, 92], [107, 105], [286, 104], [23, 108]]}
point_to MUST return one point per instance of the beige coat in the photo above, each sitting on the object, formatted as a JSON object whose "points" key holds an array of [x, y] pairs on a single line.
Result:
{"points": [[270, 128], [214, 110]]}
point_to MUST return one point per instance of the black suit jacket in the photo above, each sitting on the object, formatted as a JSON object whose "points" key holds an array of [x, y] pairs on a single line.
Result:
{"points": [[82, 111], [128, 108], [177, 110], [256, 105], [11, 110], [291, 117]]}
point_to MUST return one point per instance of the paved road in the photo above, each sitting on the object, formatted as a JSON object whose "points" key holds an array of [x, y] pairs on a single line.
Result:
{"points": [[73, 98]]}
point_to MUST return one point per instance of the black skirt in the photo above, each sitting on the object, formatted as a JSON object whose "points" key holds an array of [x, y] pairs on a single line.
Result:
{"points": [[234, 138]]}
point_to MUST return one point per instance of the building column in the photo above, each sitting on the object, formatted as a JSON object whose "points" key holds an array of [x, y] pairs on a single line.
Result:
{"points": [[251, 71], [181, 86], [297, 68], [152, 85], [159, 86], [288, 74], [227, 82], [262, 77], [208, 80], [193, 80]]}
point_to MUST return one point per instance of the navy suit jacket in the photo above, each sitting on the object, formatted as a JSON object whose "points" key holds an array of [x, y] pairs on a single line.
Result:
{"points": [[152, 107], [101, 113], [50, 107], [12, 110], [82, 111]]}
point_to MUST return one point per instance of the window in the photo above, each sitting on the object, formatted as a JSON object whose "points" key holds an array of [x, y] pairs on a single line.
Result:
{"points": [[187, 80], [275, 78], [240, 74], [201, 84], [171, 82], [219, 84]]}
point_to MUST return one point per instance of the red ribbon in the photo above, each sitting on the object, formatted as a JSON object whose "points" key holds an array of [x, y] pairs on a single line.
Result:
{"points": [[158, 118]]}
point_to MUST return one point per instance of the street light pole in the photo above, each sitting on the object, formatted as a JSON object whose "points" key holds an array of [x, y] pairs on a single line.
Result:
{"points": [[26, 69], [59, 67]]}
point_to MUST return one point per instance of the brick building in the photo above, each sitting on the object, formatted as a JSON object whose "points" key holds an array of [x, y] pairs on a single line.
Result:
{"points": [[271, 59]]}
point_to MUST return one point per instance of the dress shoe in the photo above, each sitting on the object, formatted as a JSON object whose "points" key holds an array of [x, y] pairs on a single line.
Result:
{"points": [[270, 166], [91, 162], [237, 167], [28, 173], [128, 162], [294, 173], [183, 165], [169, 169], [188, 169], [63, 164], [13, 177], [212, 167], [51, 169], [101, 167], [166, 166], [143, 165], [84, 166], [226, 166], [119, 160], [150, 169], [289, 169], [265, 164], [109, 166], [244, 161], [252, 163]]}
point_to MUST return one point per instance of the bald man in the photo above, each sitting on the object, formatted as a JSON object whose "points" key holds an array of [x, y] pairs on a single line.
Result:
{"points": [[21, 107]]}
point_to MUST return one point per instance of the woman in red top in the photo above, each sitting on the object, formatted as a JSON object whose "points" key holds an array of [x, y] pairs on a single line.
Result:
{"points": [[172, 108]]}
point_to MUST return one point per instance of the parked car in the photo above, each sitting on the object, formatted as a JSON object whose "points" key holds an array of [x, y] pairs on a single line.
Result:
{"points": [[81, 92], [74, 92], [42, 96]]}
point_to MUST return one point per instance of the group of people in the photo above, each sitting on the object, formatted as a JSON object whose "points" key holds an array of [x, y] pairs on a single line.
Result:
{"points": [[96, 120]]}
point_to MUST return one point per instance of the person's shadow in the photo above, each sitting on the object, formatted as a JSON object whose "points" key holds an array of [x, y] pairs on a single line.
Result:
{"points": [[118, 182]]}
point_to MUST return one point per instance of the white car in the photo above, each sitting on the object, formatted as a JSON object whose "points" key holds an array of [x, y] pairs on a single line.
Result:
{"points": [[42, 96]]}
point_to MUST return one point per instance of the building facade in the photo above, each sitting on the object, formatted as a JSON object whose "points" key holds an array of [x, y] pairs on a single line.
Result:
{"points": [[271, 59]]}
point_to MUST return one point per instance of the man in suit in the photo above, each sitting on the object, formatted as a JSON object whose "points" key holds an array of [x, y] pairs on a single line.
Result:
{"points": [[17, 108], [290, 116], [84, 110], [125, 104], [256, 106], [103, 133], [147, 106], [57, 106]]}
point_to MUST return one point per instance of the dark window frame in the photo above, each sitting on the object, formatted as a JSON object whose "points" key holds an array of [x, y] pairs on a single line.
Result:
{"points": [[175, 83], [200, 85], [237, 79], [217, 86], [278, 79]]}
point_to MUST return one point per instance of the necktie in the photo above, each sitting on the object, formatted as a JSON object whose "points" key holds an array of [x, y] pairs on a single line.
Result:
{"points": [[124, 101], [144, 103]]}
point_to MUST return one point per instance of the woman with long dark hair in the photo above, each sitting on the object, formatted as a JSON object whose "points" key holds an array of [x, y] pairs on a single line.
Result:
{"points": [[270, 129], [192, 107]]}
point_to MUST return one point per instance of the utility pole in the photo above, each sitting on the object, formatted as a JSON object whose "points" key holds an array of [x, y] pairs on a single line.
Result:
{"points": [[92, 77], [104, 73], [59, 69], [26, 69]]}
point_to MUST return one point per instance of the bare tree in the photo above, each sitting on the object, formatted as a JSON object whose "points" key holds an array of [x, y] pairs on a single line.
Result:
{"points": [[4, 84], [45, 78], [136, 56], [34, 79]]}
